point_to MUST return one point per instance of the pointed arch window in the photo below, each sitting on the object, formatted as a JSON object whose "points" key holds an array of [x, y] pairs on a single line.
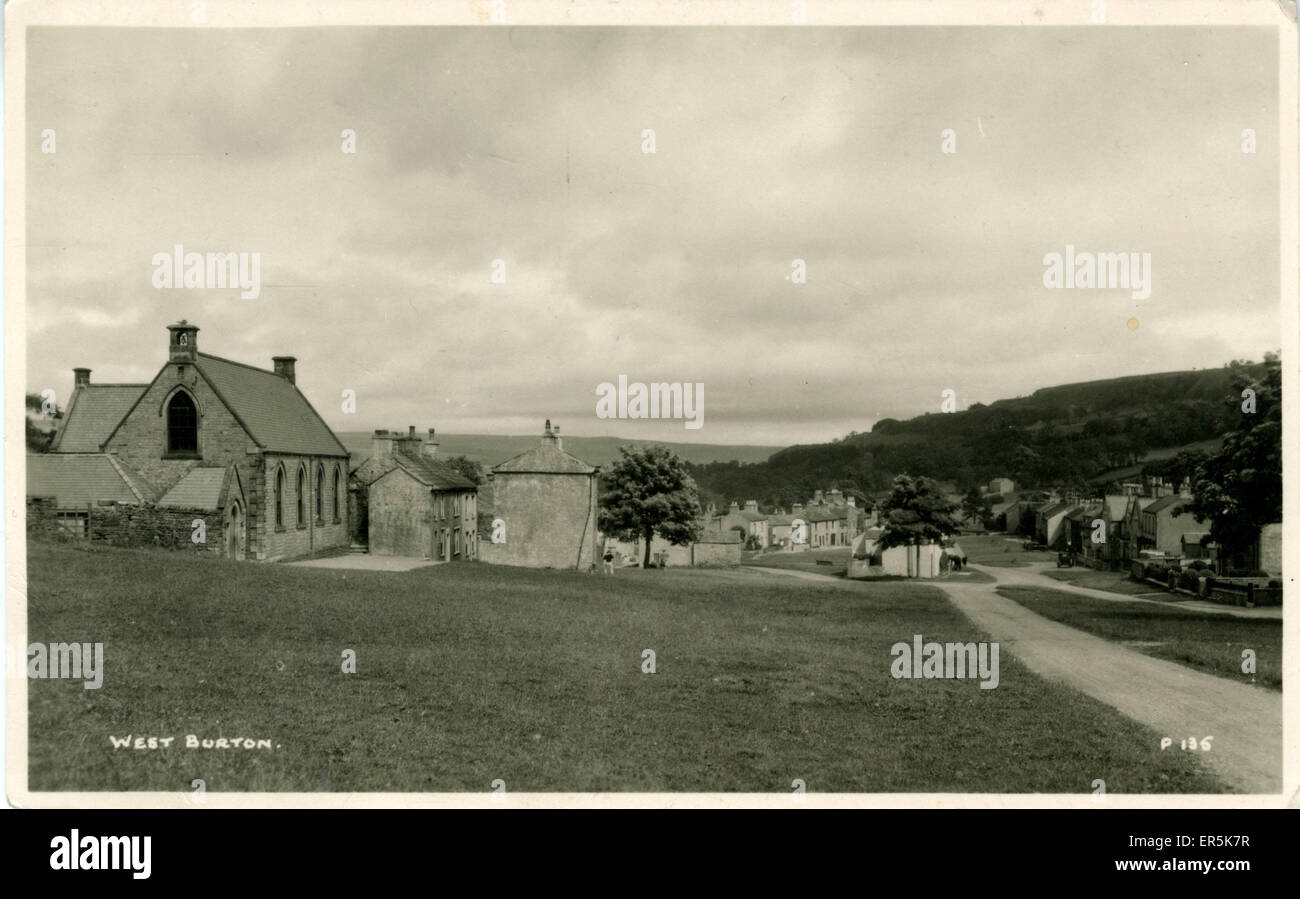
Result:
{"points": [[279, 498], [302, 490], [182, 424], [338, 487], [320, 493]]}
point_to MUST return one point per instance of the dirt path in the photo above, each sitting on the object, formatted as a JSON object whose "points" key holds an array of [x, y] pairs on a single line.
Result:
{"points": [[1177, 702]]}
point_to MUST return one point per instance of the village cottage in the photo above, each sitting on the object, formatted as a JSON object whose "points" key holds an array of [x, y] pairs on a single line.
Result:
{"points": [[543, 509], [209, 440], [412, 503]]}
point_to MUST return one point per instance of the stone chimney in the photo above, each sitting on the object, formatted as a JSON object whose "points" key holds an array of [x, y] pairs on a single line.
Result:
{"points": [[284, 367], [183, 346], [430, 444], [81, 377], [381, 444], [796, 509], [734, 507], [817, 498], [852, 501], [552, 435], [835, 497], [751, 505]]}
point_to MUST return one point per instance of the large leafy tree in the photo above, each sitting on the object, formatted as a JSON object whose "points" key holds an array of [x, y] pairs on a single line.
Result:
{"points": [[649, 491], [916, 510], [1239, 488]]}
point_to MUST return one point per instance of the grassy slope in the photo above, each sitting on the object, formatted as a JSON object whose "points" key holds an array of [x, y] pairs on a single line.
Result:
{"points": [[467, 673], [1208, 642]]}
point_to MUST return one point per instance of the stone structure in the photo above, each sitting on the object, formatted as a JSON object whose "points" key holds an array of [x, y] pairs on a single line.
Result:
{"points": [[179, 435], [545, 500], [415, 504]]}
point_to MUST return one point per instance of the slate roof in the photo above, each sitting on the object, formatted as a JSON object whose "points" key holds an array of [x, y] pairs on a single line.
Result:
{"points": [[78, 479], [1165, 502], [272, 409], [92, 414], [1053, 511], [199, 489], [819, 513], [432, 472], [545, 458]]}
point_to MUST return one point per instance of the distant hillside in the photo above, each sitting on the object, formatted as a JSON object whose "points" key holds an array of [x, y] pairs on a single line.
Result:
{"points": [[1069, 435], [491, 449]]}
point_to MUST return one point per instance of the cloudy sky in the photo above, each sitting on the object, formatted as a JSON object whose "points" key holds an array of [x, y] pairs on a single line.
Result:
{"points": [[924, 269]]}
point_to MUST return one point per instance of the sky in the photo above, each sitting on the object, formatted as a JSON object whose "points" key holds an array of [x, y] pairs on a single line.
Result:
{"points": [[924, 269]]}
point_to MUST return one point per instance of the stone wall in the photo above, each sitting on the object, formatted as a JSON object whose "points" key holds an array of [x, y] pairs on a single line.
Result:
{"points": [[715, 553], [399, 516], [294, 540], [127, 525], [550, 521]]}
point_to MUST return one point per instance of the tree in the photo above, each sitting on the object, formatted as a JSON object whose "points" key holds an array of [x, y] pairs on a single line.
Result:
{"points": [[916, 510], [649, 491], [39, 439], [1239, 488], [977, 507], [468, 467]]}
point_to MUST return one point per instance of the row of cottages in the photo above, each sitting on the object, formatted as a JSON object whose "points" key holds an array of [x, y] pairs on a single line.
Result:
{"points": [[409, 502], [830, 519], [1109, 531], [212, 454]]}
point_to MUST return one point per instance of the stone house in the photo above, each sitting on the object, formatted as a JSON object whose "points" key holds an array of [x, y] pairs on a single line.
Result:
{"points": [[1161, 528], [178, 436], [411, 503], [545, 501], [749, 521], [1049, 525]]}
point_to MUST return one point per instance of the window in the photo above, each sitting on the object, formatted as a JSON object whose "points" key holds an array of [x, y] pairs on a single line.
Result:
{"points": [[279, 498], [302, 489], [320, 493], [338, 486], [182, 424]]}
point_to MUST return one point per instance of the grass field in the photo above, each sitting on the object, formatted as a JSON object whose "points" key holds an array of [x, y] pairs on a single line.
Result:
{"points": [[469, 673], [1001, 551], [837, 559], [1110, 581], [1208, 642]]}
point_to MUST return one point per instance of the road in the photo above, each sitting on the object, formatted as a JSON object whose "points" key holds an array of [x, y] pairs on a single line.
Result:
{"points": [[1245, 721]]}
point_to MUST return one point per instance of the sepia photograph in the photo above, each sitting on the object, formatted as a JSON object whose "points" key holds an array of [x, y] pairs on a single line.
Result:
{"points": [[520, 406]]}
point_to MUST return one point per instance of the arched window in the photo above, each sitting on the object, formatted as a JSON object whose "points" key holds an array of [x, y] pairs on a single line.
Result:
{"points": [[320, 492], [338, 486], [279, 498], [302, 490], [182, 424]]}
